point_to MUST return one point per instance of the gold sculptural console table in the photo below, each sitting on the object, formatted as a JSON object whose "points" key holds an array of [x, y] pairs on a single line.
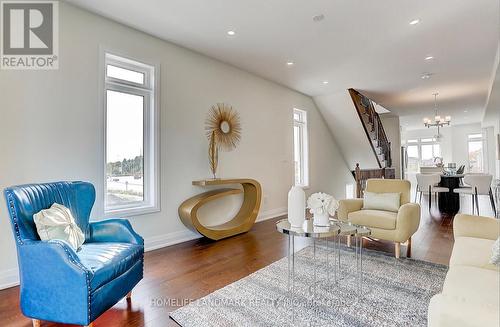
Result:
{"points": [[241, 223]]}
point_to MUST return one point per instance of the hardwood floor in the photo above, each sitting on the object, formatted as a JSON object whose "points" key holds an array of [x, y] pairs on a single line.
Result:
{"points": [[175, 275]]}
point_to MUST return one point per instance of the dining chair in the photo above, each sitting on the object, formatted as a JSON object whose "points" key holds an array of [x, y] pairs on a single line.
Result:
{"points": [[478, 184], [429, 183]]}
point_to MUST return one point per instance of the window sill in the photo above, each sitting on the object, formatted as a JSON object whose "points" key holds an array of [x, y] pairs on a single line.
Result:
{"points": [[131, 212]]}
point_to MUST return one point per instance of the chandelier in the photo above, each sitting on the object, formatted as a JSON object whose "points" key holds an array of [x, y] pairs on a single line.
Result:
{"points": [[438, 120]]}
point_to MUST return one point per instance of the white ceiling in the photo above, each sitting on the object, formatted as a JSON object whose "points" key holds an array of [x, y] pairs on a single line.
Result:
{"points": [[367, 45]]}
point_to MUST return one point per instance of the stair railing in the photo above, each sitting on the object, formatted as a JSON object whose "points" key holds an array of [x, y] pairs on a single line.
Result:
{"points": [[373, 127]]}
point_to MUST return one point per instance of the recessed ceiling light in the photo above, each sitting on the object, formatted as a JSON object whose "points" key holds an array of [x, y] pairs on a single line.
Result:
{"points": [[318, 18], [415, 22], [290, 63], [231, 33], [426, 75], [325, 82], [466, 111], [429, 58]]}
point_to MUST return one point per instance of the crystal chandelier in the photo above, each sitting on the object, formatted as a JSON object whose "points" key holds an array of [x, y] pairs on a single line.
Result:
{"points": [[438, 120]]}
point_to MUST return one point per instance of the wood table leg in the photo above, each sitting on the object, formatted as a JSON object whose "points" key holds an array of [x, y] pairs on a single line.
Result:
{"points": [[397, 249], [129, 295], [408, 248], [36, 323]]}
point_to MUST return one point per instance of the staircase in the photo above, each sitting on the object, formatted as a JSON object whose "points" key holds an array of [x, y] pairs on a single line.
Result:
{"points": [[373, 128]]}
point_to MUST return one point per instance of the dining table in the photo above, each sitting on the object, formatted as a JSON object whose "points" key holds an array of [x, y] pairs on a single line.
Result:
{"points": [[449, 202]]}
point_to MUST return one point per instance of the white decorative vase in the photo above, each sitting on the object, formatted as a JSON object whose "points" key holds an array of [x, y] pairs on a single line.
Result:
{"points": [[322, 219], [296, 206]]}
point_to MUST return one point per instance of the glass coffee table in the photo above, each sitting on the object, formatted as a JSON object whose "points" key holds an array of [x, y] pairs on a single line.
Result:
{"points": [[337, 228], [310, 231], [358, 232]]}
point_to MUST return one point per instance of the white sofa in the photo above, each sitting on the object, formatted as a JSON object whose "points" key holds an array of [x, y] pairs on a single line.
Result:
{"points": [[471, 291]]}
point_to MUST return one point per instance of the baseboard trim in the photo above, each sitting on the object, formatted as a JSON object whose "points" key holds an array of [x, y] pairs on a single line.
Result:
{"points": [[161, 241], [10, 277], [273, 213]]}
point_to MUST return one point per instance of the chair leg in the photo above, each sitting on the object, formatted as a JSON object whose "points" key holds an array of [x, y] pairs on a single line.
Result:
{"points": [[129, 295], [416, 193], [473, 204], [397, 249], [492, 200], [477, 201], [420, 201], [36, 323], [349, 241], [408, 248], [430, 198]]}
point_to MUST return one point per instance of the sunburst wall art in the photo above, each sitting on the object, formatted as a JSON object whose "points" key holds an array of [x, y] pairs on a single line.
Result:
{"points": [[223, 130]]}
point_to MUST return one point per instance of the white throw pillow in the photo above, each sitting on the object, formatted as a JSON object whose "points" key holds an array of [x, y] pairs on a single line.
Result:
{"points": [[382, 201], [495, 255], [57, 223]]}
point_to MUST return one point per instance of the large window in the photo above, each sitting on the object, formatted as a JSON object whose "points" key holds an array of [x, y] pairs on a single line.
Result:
{"points": [[131, 185], [475, 145], [300, 148], [421, 152]]}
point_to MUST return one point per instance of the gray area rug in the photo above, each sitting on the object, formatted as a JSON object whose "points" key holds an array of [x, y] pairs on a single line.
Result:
{"points": [[396, 292]]}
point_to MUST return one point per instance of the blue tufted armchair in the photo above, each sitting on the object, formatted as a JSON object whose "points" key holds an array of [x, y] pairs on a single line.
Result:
{"points": [[62, 285]]}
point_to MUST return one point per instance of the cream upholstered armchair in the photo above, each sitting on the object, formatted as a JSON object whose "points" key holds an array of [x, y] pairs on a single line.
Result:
{"points": [[397, 227]]}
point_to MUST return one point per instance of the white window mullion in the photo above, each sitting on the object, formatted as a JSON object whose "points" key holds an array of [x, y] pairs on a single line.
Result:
{"points": [[130, 188], [301, 148]]}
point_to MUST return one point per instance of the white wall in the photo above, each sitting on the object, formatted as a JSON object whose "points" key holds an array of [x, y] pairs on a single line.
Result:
{"points": [[491, 149], [51, 127], [491, 118], [460, 144], [393, 131], [347, 129]]}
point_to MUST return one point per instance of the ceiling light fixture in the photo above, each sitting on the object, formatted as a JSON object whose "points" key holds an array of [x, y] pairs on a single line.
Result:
{"points": [[426, 75], [466, 111], [290, 63], [415, 21], [318, 18], [325, 82], [438, 120], [429, 58], [231, 33]]}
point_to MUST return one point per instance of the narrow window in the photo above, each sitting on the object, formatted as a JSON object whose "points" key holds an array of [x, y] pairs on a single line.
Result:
{"points": [[476, 153], [300, 147], [413, 158], [131, 181]]}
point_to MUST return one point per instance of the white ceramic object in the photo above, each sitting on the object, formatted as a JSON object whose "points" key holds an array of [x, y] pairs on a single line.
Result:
{"points": [[321, 219], [296, 206]]}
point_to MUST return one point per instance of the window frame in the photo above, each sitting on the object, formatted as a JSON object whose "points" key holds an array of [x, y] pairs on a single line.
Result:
{"points": [[302, 124], [478, 137], [149, 90], [419, 142]]}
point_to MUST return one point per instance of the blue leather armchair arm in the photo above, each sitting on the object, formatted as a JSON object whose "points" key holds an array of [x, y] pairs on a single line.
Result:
{"points": [[114, 230], [48, 270]]}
